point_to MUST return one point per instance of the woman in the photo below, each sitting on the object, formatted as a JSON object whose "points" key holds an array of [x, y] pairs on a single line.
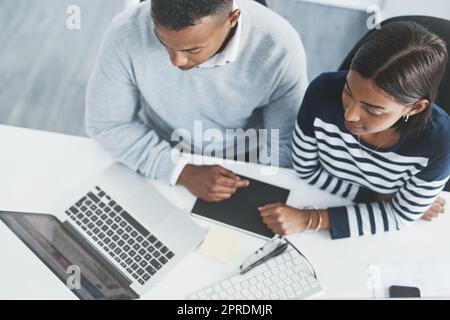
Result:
{"points": [[373, 135]]}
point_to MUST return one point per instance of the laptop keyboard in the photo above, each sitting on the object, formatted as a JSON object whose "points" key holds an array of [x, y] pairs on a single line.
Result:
{"points": [[284, 277], [124, 239]]}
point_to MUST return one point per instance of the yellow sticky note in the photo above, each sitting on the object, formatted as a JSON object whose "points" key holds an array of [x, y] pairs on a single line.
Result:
{"points": [[220, 245]]}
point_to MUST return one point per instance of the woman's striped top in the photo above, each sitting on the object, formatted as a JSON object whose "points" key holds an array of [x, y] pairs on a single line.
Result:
{"points": [[328, 156]]}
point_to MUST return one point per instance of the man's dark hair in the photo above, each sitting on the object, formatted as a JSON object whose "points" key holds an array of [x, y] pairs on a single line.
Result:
{"points": [[408, 62], [179, 14]]}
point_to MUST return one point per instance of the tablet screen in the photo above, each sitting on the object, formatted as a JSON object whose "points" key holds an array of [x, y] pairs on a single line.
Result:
{"points": [[241, 210]]}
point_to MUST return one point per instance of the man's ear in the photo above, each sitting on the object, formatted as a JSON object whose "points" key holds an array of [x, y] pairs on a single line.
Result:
{"points": [[419, 107], [234, 17]]}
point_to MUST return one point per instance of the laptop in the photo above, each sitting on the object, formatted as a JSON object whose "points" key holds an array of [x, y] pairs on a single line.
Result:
{"points": [[114, 237]]}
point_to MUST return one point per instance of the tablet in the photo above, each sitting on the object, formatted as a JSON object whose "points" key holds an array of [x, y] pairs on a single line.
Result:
{"points": [[241, 210]]}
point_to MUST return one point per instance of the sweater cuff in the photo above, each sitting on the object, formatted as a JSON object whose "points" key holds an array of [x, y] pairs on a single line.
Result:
{"points": [[177, 171], [339, 223]]}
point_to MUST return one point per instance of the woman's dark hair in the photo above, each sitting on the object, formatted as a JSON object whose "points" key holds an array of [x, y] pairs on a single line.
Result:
{"points": [[180, 14], [407, 61]]}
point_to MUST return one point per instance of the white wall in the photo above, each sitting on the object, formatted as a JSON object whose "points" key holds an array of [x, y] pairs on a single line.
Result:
{"points": [[435, 8]]}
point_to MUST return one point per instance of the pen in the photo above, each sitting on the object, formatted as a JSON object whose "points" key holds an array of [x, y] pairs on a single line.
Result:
{"points": [[269, 256]]}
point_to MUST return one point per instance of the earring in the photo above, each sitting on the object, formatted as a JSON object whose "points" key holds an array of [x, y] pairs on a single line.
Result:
{"points": [[406, 117]]}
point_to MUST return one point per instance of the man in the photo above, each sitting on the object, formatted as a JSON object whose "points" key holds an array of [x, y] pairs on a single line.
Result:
{"points": [[167, 66]]}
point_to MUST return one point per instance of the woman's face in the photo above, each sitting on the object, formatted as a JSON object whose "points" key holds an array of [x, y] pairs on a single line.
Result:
{"points": [[368, 109]]}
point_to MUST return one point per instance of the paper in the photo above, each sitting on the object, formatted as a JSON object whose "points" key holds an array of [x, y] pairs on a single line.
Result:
{"points": [[432, 279], [220, 245]]}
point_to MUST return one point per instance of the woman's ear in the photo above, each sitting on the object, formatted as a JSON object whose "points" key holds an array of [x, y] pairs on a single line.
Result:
{"points": [[419, 107]]}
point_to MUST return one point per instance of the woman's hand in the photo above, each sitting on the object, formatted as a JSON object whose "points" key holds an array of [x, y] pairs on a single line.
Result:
{"points": [[284, 220], [436, 209]]}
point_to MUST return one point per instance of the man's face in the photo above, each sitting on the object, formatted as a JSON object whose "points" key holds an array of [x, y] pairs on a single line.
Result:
{"points": [[194, 45]]}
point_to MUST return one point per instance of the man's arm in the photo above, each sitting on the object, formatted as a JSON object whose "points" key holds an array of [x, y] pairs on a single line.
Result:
{"points": [[281, 112], [112, 104]]}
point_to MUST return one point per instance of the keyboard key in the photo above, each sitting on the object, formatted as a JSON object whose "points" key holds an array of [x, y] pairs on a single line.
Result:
{"points": [[93, 197], [120, 231], [170, 255], [141, 281], [137, 258], [80, 202], [132, 253], [135, 224], [158, 244], [162, 260], [146, 277], [134, 266], [155, 264], [152, 239], [139, 239], [140, 272], [73, 210], [150, 270]]}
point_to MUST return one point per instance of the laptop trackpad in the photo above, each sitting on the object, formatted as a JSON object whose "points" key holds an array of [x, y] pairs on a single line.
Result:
{"points": [[148, 209]]}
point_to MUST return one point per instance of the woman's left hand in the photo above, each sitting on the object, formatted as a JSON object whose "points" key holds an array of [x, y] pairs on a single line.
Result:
{"points": [[284, 220], [436, 209]]}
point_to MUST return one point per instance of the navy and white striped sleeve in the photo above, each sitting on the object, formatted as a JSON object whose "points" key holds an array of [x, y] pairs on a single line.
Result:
{"points": [[305, 157], [408, 205]]}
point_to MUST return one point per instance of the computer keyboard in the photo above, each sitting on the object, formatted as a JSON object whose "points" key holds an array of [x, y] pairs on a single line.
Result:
{"points": [[286, 276], [124, 239]]}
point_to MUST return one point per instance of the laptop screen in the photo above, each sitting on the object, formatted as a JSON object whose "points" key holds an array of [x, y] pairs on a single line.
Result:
{"points": [[69, 257]]}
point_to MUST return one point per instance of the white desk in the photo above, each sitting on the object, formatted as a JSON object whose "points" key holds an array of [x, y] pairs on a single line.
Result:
{"points": [[37, 168]]}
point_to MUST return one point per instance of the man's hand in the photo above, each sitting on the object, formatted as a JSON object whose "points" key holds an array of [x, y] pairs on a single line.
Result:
{"points": [[436, 209], [210, 183]]}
